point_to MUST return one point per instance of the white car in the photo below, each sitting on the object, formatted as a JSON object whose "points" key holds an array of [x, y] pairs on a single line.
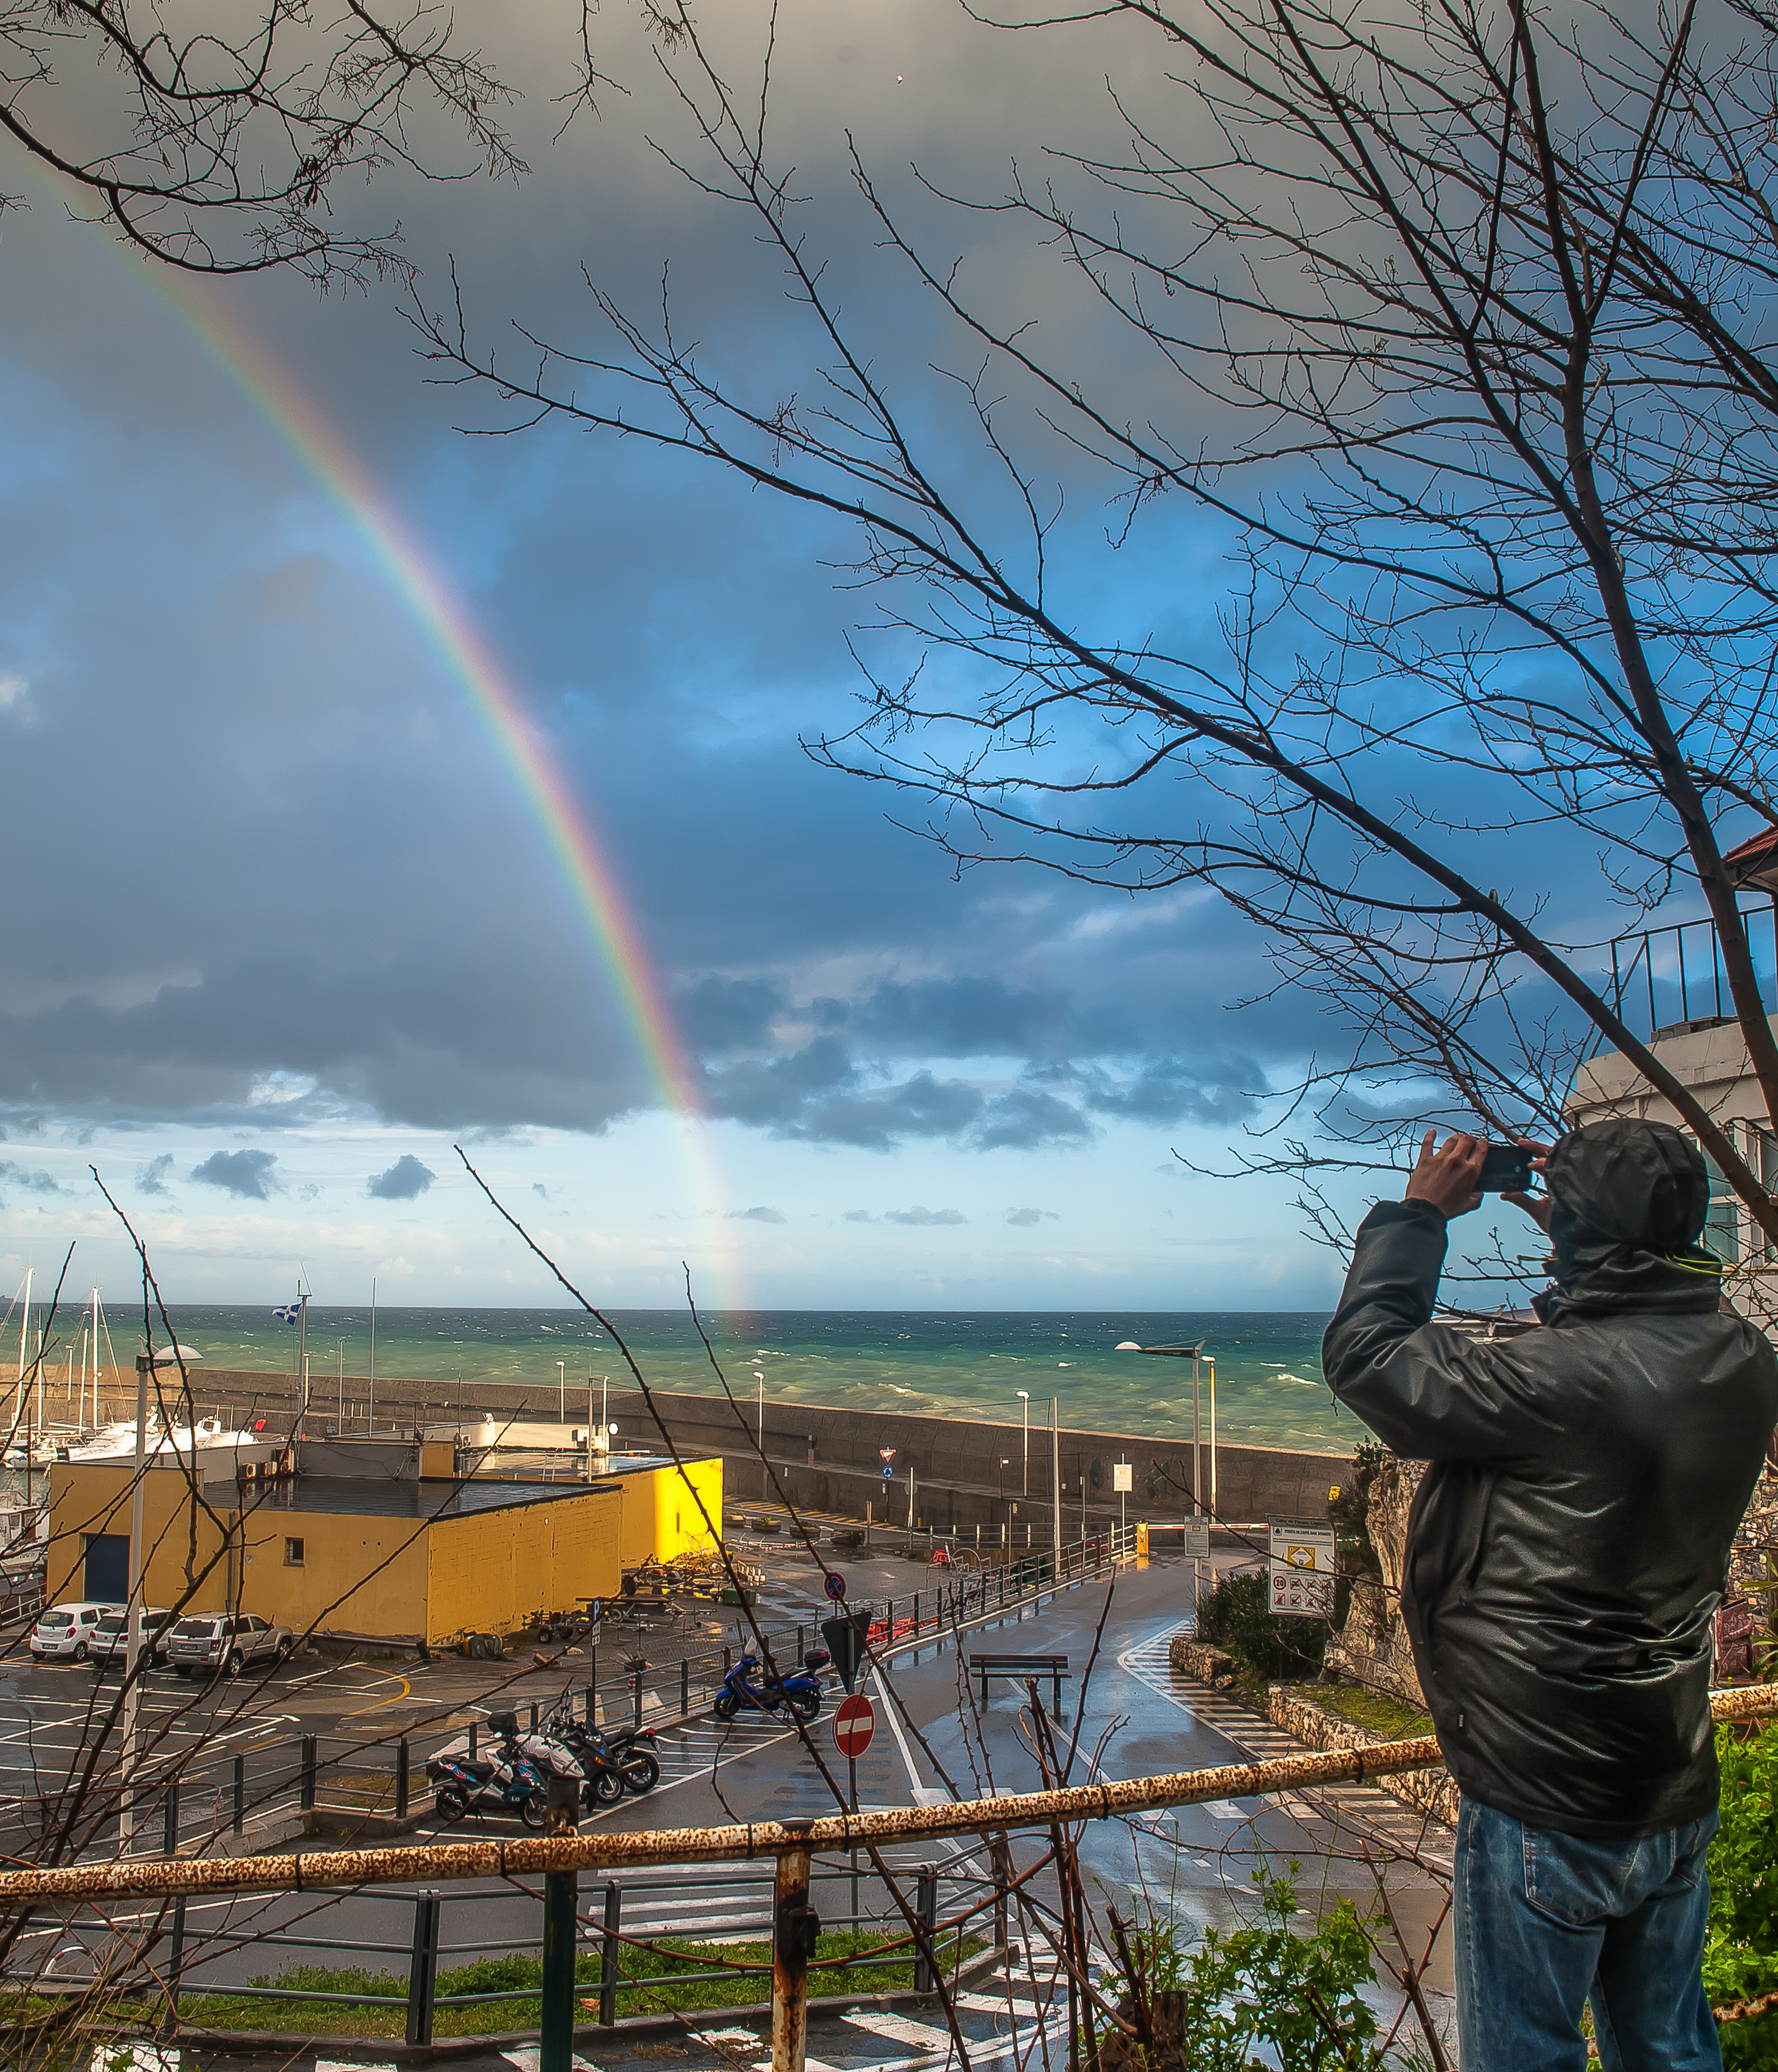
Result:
{"points": [[110, 1643], [209, 1642], [67, 1632]]}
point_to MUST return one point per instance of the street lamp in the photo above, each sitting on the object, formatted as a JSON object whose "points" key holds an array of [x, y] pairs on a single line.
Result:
{"points": [[1024, 1397], [1195, 1354], [764, 1479], [561, 1391]]}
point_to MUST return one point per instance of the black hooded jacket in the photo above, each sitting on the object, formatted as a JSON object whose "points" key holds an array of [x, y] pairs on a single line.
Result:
{"points": [[1570, 1541]]}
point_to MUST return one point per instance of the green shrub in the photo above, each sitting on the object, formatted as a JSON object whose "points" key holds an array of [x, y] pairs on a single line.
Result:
{"points": [[1741, 1947], [1236, 1618], [1260, 1995]]}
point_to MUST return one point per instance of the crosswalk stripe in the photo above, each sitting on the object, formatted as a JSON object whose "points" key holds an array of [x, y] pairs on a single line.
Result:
{"points": [[1394, 1820]]}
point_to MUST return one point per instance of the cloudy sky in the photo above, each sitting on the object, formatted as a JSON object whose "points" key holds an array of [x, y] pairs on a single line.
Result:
{"points": [[282, 926]]}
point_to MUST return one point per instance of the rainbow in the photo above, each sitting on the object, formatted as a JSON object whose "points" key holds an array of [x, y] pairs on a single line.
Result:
{"points": [[299, 426]]}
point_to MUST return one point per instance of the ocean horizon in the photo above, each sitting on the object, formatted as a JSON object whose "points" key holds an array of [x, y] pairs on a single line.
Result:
{"points": [[965, 1363]]}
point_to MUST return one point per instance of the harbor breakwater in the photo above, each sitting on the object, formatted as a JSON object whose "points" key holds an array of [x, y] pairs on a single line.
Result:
{"points": [[965, 1471]]}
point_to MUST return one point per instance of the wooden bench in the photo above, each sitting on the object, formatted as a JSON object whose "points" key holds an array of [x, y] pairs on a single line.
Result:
{"points": [[1025, 1669]]}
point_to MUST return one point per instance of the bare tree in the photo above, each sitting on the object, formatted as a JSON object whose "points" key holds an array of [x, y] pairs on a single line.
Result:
{"points": [[217, 148], [1450, 321]]}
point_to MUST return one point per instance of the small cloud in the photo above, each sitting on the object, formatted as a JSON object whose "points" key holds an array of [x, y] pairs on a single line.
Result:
{"points": [[924, 1217], [308, 1191], [860, 1216], [540, 1190], [402, 1182], [33, 1183], [1024, 1218], [761, 1216], [247, 1173], [152, 1178], [12, 690]]}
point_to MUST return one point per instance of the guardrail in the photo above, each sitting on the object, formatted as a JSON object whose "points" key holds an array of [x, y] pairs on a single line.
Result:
{"points": [[559, 1859]]}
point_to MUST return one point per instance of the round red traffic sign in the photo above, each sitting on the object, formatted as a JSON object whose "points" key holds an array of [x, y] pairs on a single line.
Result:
{"points": [[853, 1725]]}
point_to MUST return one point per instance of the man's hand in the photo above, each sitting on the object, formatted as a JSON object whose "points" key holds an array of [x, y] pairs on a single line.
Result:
{"points": [[1536, 1207], [1446, 1178]]}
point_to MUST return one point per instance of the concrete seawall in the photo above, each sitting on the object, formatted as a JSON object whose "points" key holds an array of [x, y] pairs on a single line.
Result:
{"points": [[966, 1472]]}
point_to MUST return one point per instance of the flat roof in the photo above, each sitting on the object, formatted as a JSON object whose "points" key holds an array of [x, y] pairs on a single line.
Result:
{"points": [[363, 1497]]}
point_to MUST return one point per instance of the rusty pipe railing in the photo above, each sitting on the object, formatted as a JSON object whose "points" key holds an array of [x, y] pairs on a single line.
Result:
{"points": [[528, 1857]]}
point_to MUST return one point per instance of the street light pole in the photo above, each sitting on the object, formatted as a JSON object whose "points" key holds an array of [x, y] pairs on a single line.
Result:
{"points": [[1024, 1398], [1055, 1489], [764, 1480], [561, 1391], [133, 1644]]}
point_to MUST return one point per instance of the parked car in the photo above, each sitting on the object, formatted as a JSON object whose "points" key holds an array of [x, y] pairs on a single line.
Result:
{"points": [[209, 1643], [66, 1632], [110, 1642]]}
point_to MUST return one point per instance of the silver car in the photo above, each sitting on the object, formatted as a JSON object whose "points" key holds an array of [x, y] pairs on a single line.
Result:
{"points": [[211, 1643], [110, 1643]]}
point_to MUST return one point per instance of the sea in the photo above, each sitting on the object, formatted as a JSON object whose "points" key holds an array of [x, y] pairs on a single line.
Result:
{"points": [[962, 1364]]}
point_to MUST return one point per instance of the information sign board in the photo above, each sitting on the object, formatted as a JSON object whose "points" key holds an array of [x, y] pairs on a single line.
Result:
{"points": [[1123, 1478], [1302, 1567], [1198, 1539]]}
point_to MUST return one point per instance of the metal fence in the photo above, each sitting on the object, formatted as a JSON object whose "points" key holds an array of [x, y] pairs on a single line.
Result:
{"points": [[955, 1911], [279, 1788]]}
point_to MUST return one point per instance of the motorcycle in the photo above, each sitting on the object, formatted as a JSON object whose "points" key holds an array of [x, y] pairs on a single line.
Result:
{"points": [[611, 1763], [800, 1692], [508, 1781]]}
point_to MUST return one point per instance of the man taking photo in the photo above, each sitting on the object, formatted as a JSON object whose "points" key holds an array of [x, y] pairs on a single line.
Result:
{"points": [[1565, 1553]]}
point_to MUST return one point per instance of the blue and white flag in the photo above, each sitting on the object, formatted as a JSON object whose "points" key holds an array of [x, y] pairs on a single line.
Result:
{"points": [[289, 1314]]}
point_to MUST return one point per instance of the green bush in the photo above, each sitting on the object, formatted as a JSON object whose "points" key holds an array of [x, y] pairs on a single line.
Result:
{"points": [[1236, 1618], [1741, 1947], [1261, 1995]]}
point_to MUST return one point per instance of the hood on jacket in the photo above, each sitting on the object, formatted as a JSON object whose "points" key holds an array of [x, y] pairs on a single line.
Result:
{"points": [[1628, 1199]]}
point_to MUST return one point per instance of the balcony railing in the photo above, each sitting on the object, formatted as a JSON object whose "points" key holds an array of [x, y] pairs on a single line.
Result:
{"points": [[1666, 980]]}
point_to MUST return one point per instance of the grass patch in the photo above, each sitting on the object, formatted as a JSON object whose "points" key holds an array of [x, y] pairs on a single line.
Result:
{"points": [[1389, 1716], [521, 1976]]}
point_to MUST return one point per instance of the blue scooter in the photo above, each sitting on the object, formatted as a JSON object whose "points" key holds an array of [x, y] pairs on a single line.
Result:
{"points": [[800, 1692]]}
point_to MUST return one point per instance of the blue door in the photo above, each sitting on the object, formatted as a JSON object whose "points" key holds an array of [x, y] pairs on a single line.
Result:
{"points": [[107, 1567]]}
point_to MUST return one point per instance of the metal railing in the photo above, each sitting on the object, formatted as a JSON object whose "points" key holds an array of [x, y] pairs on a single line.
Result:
{"points": [[304, 1780], [1663, 978], [559, 1859]]}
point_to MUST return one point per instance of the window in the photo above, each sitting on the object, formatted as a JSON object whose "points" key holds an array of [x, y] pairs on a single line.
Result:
{"points": [[293, 1553]]}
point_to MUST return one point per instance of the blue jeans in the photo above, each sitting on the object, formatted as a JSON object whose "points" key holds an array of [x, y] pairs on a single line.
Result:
{"points": [[1546, 1922]]}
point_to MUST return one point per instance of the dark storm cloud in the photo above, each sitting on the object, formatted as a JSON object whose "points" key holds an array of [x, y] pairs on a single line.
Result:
{"points": [[152, 1178], [821, 1093], [363, 905], [247, 1173], [405, 1181]]}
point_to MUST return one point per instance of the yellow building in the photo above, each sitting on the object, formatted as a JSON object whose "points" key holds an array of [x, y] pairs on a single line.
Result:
{"points": [[662, 1517], [391, 1556]]}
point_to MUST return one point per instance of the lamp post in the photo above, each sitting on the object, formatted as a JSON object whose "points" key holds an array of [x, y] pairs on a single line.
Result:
{"points": [[1195, 1354], [561, 1391], [759, 1376], [1055, 1489], [1024, 1398]]}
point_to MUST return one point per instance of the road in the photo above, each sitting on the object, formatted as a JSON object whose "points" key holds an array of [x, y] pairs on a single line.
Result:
{"points": [[1135, 1717]]}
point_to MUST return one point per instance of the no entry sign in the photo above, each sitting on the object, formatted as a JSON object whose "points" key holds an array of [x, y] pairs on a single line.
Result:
{"points": [[853, 1726]]}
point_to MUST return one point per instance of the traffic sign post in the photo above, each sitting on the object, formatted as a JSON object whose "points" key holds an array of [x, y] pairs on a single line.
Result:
{"points": [[854, 1726]]}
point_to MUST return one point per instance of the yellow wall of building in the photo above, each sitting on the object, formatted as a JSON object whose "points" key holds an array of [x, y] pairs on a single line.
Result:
{"points": [[491, 1571], [94, 1497], [661, 1518], [359, 1573]]}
